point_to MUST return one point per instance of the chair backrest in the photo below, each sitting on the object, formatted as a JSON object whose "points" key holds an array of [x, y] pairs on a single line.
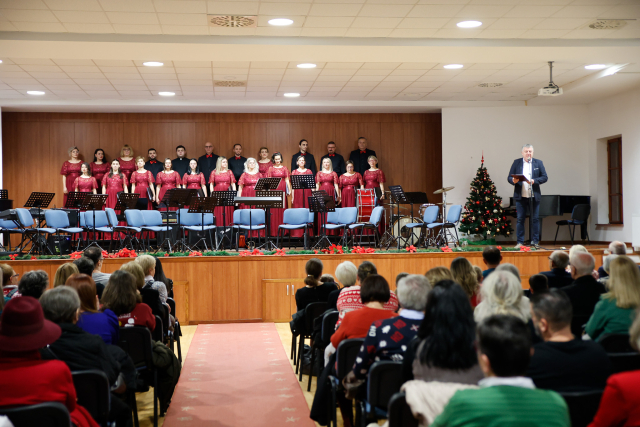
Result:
{"points": [[189, 219], [136, 342], [582, 406], [24, 217], [577, 324], [431, 214], [93, 391], [134, 217], [334, 217], [56, 218], [256, 216], [48, 414], [295, 216], [348, 216], [111, 215], [385, 379], [312, 217], [208, 219], [237, 217], [454, 213], [101, 218], [581, 212], [329, 325], [615, 343], [152, 218], [7, 224], [346, 355], [172, 304], [376, 215], [623, 362], [81, 219], [400, 413], [158, 331], [313, 310]]}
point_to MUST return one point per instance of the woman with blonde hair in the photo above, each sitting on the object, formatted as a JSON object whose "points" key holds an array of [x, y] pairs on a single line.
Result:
{"points": [[222, 179], [374, 177], [437, 274], [464, 274], [501, 293], [63, 273], [70, 171], [615, 311], [127, 162]]}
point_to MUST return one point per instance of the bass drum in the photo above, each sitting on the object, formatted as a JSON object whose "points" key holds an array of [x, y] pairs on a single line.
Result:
{"points": [[400, 229]]}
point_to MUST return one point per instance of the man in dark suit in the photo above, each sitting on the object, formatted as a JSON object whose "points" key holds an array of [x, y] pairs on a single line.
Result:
{"points": [[236, 163], [207, 163], [585, 291], [337, 161], [309, 159], [181, 164], [153, 165], [534, 170], [558, 276], [360, 156]]}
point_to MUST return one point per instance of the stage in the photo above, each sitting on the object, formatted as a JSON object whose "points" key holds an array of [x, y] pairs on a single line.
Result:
{"points": [[225, 289]]}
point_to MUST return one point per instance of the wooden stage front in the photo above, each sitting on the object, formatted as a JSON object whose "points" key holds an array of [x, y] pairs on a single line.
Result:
{"points": [[262, 288]]}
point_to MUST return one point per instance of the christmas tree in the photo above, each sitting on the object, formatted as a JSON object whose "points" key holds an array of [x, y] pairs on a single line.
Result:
{"points": [[483, 214]]}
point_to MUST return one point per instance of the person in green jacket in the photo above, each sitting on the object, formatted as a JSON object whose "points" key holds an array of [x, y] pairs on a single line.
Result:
{"points": [[506, 397], [615, 311]]}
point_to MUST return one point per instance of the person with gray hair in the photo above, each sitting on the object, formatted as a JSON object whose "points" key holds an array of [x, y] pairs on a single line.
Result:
{"points": [[558, 276], [615, 248], [346, 274], [527, 191], [510, 268], [501, 293], [390, 337], [33, 283], [585, 291], [605, 269]]}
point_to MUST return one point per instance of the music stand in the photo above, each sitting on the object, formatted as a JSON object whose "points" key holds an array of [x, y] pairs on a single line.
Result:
{"points": [[202, 205], [268, 244], [178, 197], [40, 201], [75, 199], [127, 201], [399, 197], [415, 197], [223, 199], [4, 194], [303, 182], [93, 202], [320, 202]]}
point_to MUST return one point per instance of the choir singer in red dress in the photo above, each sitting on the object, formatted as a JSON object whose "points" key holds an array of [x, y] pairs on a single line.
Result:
{"points": [[349, 183], [327, 180], [194, 179], [70, 171], [113, 183], [127, 163], [265, 162], [247, 185], [85, 183], [222, 179], [142, 183], [278, 171], [166, 180], [99, 166], [300, 198], [374, 177]]}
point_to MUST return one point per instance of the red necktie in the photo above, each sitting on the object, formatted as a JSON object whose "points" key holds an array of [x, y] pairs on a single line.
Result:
{"points": [[331, 155], [363, 152], [209, 155], [153, 162], [237, 158]]}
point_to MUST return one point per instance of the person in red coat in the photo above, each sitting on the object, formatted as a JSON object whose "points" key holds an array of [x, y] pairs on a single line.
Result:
{"points": [[26, 379]]}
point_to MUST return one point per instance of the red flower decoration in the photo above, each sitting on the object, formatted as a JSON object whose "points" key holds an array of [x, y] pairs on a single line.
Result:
{"points": [[411, 249], [446, 249], [33, 258], [280, 252], [195, 253], [499, 248], [315, 251], [525, 249], [13, 257], [166, 254]]}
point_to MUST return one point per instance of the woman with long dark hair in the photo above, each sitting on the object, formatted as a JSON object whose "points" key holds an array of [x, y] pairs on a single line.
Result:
{"points": [[159, 276], [85, 182], [314, 290], [100, 165], [194, 179], [113, 183]]}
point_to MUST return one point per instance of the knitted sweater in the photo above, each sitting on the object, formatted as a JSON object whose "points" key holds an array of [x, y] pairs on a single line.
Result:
{"points": [[349, 300], [608, 318]]}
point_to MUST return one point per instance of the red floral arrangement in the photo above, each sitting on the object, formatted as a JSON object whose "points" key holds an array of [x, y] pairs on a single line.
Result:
{"points": [[255, 252], [412, 249], [361, 250], [195, 253], [280, 252], [446, 249], [525, 248]]}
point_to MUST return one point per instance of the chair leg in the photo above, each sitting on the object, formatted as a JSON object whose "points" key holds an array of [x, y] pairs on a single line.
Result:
{"points": [[134, 407], [155, 398], [313, 360], [555, 239], [294, 343], [300, 357], [571, 233]]}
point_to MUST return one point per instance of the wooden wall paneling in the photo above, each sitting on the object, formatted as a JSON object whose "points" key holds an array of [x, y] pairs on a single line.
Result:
{"points": [[201, 298], [391, 154], [433, 155], [298, 131], [87, 139], [277, 140], [414, 172], [284, 269], [254, 136], [61, 138], [181, 297], [231, 134], [209, 132], [250, 306], [185, 134], [158, 136], [137, 136], [346, 138], [111, 136], [371, 131], [226, 290], [322, 134]]}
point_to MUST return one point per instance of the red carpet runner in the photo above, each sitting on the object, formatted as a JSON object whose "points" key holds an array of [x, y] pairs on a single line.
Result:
{"points": [[237, 375]]}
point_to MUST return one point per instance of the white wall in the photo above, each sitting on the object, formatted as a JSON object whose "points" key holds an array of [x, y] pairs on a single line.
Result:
{"points": [[557, 134]]}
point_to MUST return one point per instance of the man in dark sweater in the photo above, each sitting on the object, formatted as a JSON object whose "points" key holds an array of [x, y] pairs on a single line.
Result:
{"points": [[563, 363], [360, 156], [492, 258], [207, 162], [181, 164], [558, 275], [585, 291], [337, 161], [236, 163]]}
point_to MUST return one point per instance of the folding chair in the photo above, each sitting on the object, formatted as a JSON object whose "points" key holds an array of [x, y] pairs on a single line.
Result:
{"points": [[59, 221], [126, 230], [384, 380], [28, 230], [153, 223], [400, 414], [582, 406], [94, 394], [250, 220], [616, 343], [429, 216], [345, 358], [374, 221], [48, 414], [329, 321], [313, 310], [453, 217], [294, 219], [346, 217]]}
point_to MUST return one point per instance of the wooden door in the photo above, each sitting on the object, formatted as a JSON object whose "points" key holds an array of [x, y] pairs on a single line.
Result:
{"points": [[295, 285], [276, 300]]}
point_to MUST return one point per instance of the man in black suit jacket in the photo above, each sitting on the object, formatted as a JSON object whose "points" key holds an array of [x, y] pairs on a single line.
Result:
{"points": [[534, 170], [310, 161], [585, 291], [360, 156], [207, 163], [153, 165], [236, 163], [558, 276], [181, 163], [337, 161]]}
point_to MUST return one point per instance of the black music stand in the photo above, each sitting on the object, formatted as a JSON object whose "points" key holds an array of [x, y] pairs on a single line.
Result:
{"points": [[268, 244], [223, 199], [303, 182], [202, 205], [75, 199], [94, 202], [399, 197], [39, 201], [178, 198], [4, 194], [127, 201], [320, 203]]}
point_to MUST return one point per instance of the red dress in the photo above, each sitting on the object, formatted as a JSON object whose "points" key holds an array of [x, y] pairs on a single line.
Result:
{"points": [[84, 184], [167, 181], [222, 182], [127, 167], [71, 171], [114, 185], [249, 181], [194, 182], [276, 213], [301, 200], [348, 186], [326, 181], [264, 167], [142, 182], [98, 171], [373, 179], [29, 380]]}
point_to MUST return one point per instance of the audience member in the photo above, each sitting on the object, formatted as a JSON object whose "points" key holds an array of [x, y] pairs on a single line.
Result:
{"points": [[538, 283], [615, 311], [479, 275], [492, 258], [26, 379], [558, 275], [150, 297], [9, 281], [313, 290], [505, 397], [399, 277], [161, 277], [102, 323], [620, 404], [581, 249], [148, 264], [605, 268], [122, 297], [85, 265], [327, 278], [561, 362], [615, 248], [501, 293], [100, 278], [346, 273], [436, 274], [511, 269], [63, 272], [585, 291], [463, 274], [33, 284]]}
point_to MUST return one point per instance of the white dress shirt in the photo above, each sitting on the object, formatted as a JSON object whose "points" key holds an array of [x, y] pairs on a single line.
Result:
{"points": [[526, 171]]}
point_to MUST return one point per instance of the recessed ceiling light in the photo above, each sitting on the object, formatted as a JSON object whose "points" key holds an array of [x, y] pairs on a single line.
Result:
{"points": [[153, 64], [0, 61], [35, 92], [469, 24], [595, 67], [280, 22], [166, 93], [292, 95], [453, 66], [306, 65]]}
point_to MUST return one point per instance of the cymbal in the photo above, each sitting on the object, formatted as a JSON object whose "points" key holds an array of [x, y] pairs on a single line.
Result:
{"points": [[441, 204], [443, 190]]}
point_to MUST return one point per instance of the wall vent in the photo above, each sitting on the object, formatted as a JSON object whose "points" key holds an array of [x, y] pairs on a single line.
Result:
{"points": [[607, 24], [490, 85], [232, 21], [229, 83]]}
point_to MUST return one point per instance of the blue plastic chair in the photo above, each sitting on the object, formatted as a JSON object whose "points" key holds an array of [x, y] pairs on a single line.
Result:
{"points": [[374, 222], [27, 229], [126, 230], [346, 217], [194, 222], [59, 220], [8, 227], [153, 223], [429, 216], [453, 218], [251, 220], [135, 221], [294, 219]]}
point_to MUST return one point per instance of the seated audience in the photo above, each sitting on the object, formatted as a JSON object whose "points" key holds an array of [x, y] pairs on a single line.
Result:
{"points": [[87, 266], [313, 290], [511, 269], [479, 275], [538, 283], [492, 258], [33, 284], [501, 293], [63, 272], [465, 276], [349, 299], [346, 273], [581, 249], [606, 265], [558, 275], [506, 397], [25, 378], [100, 278], [436, 274], [148, 264], [150, 297], [585, 291], [615, 311], [399, 277], [9, 282], [161, 277], [122, 297], [561, 362], [327, 278], [615, 248], [620, 404], [102, 323]]}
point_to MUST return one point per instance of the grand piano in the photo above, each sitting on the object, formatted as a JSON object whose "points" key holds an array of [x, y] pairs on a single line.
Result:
{"points": [[552, 205]]}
